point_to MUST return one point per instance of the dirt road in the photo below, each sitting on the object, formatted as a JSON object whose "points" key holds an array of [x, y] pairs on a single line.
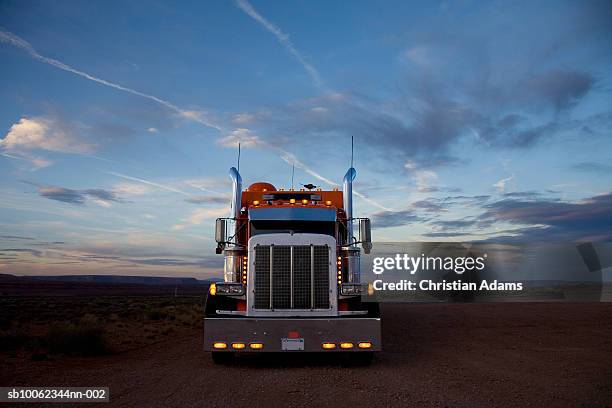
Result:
{"points": [[545, 354]]}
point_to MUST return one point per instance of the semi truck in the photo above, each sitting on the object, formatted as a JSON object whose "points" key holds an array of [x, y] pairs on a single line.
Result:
{"points": [[291, 276]]}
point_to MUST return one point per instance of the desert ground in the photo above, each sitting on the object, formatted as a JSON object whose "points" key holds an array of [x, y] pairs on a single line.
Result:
{"points": [[147, 348]]}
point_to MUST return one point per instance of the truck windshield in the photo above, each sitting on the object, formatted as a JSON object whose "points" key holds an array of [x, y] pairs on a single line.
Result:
{"points": [[297, 227]]}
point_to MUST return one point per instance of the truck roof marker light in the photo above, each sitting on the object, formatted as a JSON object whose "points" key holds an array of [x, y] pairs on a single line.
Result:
{"points": [[328, 346], [256, 346], [346, 345], [219, 345], [255, 202], [365, 345], [292, 201], [238, 346], [304, 201], [212, 289], [264, 190], [328, 203]]}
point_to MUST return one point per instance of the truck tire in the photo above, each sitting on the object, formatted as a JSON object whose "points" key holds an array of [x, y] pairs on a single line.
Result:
{"points": [[222, 357]]}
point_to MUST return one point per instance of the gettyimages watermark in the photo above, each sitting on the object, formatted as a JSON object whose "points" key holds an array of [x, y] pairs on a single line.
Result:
{"points": [[400, 271]]}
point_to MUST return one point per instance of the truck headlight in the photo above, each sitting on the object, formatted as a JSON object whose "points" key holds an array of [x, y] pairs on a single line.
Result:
{"points": [[229, 289], [348, 289]]}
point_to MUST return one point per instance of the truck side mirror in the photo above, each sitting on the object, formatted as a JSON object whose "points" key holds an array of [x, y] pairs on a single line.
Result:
{"points": [[220, 231], [365, 234]]}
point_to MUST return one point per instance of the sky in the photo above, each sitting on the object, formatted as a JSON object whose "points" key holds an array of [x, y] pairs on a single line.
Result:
{"points": [[472, 121]]}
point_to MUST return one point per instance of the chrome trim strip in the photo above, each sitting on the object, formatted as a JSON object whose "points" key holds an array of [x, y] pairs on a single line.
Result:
{"points": [[291, 277], [271, 270], [312, 292]]}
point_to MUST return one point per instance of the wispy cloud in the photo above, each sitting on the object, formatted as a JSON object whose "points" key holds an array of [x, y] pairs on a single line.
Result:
{"points": [[245, 137], [501, 184], [282, 38], [290, 158], [199, 215], [14, 40], [150, 183]]}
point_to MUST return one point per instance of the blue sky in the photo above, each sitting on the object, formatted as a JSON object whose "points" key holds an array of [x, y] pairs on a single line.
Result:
{"points": [[472, 121]]}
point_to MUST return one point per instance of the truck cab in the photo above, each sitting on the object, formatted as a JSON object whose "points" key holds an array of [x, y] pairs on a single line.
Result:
{"points": [[291, 274]]}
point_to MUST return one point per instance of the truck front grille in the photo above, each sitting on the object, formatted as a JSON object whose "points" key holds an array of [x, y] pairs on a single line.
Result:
{"points": [[291, 277]]}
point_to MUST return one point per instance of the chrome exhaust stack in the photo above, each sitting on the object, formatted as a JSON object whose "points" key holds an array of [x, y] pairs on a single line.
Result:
{"points": [[347, 197], [236, 203]]}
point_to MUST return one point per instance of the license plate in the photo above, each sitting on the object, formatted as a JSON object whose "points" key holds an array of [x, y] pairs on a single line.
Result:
{"points": [[292, 344]]}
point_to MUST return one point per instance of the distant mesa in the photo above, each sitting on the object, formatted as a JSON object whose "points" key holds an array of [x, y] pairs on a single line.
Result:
{"points": [[113, 279]]}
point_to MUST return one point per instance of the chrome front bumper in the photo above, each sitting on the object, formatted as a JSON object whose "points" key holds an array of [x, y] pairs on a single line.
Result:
{"points": [[271, 332]]}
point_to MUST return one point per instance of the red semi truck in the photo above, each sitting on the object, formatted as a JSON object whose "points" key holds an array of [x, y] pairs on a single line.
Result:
{"points": [[291, 275]]}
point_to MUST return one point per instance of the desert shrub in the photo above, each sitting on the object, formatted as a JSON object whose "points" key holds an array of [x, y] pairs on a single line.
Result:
{"points": [[86, 337]]}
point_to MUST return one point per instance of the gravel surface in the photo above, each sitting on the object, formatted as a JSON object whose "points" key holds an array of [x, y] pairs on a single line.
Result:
{"points": [[501, 354]]}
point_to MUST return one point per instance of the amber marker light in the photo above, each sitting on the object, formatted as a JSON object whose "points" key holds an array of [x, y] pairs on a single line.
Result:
{"points": [[304, 201], [346, 345], [292, 200], [212, 289], [256, 346], [365, 345], [238, 346], [328, 203], [255, 202], [220, 345], [328, 346]]}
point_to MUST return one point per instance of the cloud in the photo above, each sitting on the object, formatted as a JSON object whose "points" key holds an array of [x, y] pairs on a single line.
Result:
{"points": [[16, 238], [210, 185], [149, 183], [282, 38], [586, 220], [132, 189], [443, 234], [33, 252], [199, 215], [560, 88], [385, 219], [428, 206], [244, 118], [101, 194], [245, 137], [523, 194], [422, 178], [14, 40], [593, 167], [67, 195], [455, 224], [501, 184], [43, 133], [208, 200]]}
